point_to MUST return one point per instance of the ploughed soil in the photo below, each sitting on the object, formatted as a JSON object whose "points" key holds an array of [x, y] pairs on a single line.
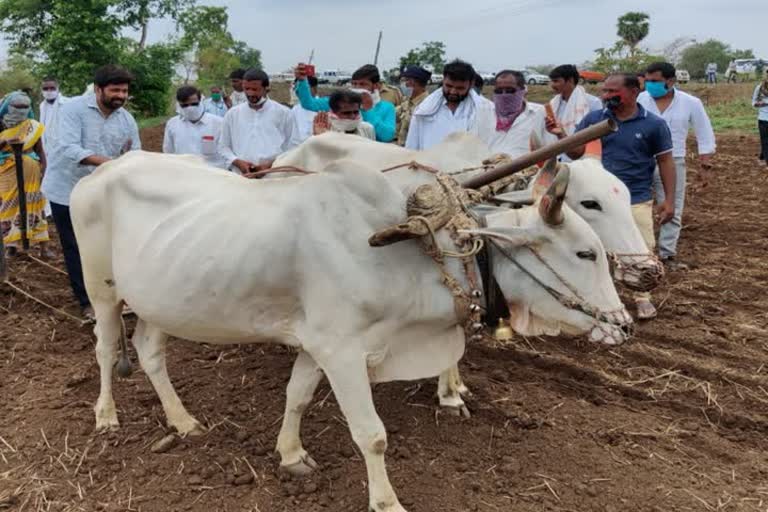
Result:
{"points": [[676, 420]]}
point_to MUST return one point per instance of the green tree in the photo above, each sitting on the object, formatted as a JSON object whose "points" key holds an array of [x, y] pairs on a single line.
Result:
{"points": [[137, 13], [632, 28], [153, 69], [696, 57], [249, 57], [82, 36], [430, 54], [619, 58], [17, 75]]}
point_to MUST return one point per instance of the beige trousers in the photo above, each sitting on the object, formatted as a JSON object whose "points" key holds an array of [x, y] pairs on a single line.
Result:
{"points": [[643, 214]]}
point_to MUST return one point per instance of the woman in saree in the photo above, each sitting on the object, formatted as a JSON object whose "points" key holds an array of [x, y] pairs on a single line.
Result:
{"points": [[17, 126]]}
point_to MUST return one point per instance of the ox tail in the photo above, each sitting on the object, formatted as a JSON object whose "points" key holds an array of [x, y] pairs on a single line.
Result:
{"points": [[124, 369]]}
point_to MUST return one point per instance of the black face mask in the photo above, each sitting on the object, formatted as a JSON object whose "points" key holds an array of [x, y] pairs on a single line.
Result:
{"points": [[613, 102]]}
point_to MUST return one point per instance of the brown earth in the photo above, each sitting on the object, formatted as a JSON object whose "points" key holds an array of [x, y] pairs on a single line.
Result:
{"points": [[677, 420]]}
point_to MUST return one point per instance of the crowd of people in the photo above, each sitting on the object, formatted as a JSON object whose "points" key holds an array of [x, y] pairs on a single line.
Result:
{"points": [[245, 131]]}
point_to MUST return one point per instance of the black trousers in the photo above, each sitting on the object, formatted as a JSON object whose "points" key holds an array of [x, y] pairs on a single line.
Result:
{"points": [[763, 127], [71, 252]]}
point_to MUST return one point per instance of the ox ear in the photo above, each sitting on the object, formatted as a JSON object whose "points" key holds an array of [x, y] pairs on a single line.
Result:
{"points": [[545, 178], [551, 203], [516, 236]]}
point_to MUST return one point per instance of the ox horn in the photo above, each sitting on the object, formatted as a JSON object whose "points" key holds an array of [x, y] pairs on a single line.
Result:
{"points": [[545, 178], [551, 204]]}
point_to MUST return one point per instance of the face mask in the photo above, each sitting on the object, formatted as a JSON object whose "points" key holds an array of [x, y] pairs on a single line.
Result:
{"points": [[613, 102], [15, 116], [192, 113], [51, 95], [216, 96], [656, 89], [509, 104], [343, 125], [407, 91], [376, 97], [255, 104]]}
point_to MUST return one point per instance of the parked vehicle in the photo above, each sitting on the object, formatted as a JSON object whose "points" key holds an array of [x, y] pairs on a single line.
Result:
{"points": [[437, 79], [534, 78], [682, 76], [591, 77], [333, 77]]}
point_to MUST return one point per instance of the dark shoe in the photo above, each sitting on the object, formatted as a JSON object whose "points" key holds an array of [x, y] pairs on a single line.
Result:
{"points": [[671, 264], [11, 251]]}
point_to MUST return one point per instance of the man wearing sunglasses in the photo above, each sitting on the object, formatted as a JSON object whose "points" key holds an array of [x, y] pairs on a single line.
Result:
{"points": [[516, 119], [193, 131], [344, 117]]}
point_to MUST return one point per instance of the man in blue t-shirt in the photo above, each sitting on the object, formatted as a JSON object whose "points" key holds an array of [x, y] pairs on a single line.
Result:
{"points": [[632, 153]]}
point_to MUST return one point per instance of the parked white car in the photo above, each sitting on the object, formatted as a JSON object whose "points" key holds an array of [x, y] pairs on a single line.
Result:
{"points": [[334, 77], [534, 78], [682, 76]]}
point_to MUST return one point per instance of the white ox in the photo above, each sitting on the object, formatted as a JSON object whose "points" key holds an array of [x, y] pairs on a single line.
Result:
{"points": [[212, 257], [595, 194]]}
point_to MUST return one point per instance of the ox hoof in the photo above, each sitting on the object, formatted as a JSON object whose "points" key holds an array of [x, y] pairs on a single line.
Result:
{"points": [[464, 390], [107, 426], [304, 467], [189, 428], [460, 411]]}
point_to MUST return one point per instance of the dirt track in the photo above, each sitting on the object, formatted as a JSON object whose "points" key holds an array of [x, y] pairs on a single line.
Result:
{"points": [[676, 420]]}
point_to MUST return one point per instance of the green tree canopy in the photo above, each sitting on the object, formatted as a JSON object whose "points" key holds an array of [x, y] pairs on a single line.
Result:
{"points": [[696, 57], [430, 54], [632, 28]]}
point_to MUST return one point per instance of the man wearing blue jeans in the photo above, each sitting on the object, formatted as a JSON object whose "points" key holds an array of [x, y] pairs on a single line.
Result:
{"points": [[682, 112], [92, 129]]}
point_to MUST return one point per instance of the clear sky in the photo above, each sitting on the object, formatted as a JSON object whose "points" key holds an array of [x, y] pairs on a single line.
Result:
{"points": [[492, 34]]}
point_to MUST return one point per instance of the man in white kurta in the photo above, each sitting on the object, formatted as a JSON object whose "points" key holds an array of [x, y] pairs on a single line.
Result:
{"points": [[517, 120], [456, 107], [193, 131], [255, 133], [49, 113], [305, 118], [681, 111]]}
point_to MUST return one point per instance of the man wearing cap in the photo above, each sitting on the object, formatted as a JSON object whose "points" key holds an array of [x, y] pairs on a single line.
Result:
{"points": [[413, 84]]}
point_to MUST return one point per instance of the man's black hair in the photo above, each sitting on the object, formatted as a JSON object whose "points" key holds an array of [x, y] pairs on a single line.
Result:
{"points": [[519, 77], [367, 72], [630, 79], [667, 70], [340, 96], [254, 75], [187, 91], [460, 71], [112, 75], [566, 72]]}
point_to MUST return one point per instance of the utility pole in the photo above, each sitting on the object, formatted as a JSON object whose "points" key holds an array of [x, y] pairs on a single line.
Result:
{"points": [[311, 56], [378, 48]]}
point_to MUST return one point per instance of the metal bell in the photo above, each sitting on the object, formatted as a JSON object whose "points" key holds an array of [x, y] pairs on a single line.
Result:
{"points": [[476, 337], [474, 308], [477, 294], [477, 326], [503, 331]]}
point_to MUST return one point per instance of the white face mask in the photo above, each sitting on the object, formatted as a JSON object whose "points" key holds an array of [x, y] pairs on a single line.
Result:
{"points": [[51, 95], [374, 95], [192, 113], [344, 125]]}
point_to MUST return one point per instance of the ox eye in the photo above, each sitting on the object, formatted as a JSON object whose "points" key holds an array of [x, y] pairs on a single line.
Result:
{"points": [[587, 255], [592, 205]]}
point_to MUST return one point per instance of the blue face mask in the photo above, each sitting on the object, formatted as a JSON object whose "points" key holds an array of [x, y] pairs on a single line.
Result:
{"points": [[656, 89], [407, 91]]}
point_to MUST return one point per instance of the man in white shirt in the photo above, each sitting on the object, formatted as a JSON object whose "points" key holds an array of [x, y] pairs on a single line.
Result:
{"points": [[456, 107], [516, 119], [49, 112], [255, 133], [215, 104], [681, 111], [238, 95], [304, 117], [193, 131], [571, 102]]}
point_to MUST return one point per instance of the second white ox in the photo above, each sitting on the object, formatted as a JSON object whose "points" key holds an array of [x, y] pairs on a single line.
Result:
{"points": [[208, 256]]}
